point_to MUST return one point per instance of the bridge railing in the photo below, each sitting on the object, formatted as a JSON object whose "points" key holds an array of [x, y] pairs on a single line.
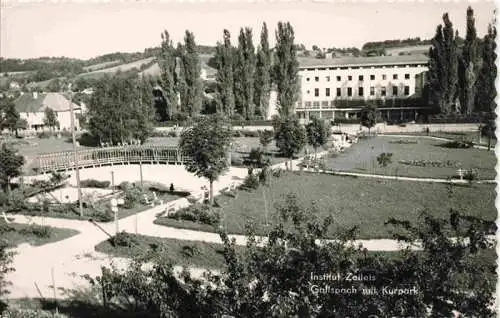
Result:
{"points": [[111, 155]]}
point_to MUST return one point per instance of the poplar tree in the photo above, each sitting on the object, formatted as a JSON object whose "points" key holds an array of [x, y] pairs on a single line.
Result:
{"points": [[286, 69], [191, 95], [224, 78], [486, 94], [244, 74], [167, 63], [469, 66], [443, 68], [263, 74]]}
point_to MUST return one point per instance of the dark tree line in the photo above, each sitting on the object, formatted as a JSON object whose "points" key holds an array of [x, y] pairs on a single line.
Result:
{"points": [[245, 75], [462, 72]]}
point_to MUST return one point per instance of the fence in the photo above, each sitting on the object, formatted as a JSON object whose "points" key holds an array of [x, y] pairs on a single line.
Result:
{"points": [[62, 161]]}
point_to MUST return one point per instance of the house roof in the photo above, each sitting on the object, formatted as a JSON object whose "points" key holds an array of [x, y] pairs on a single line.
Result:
{"points": [[362, 61], [27, 103]]}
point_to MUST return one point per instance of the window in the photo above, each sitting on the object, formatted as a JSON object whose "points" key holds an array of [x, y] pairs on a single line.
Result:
{"points": [[327, 92], [407, 76], [316, 78], [339, 78], [349, 91], [339, 92], [324, 103], [372, 77], [316, 92], [307, 79], [316, 104], [382, 91], [372, 91], [360, 77], [394, 91], [407, 90], [384, 77], [307, 104], [395, 76], [308, 92], [360, 91], [328, 78], [332, 103], [349, 78]]}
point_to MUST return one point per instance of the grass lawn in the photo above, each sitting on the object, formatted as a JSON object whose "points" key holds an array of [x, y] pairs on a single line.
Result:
{"points": [[188, 253], [362, 157], [364, 202], [460, 135], [15, 234]]}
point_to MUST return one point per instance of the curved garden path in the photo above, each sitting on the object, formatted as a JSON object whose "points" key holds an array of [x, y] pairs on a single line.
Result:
{"points": [[75, 256]]}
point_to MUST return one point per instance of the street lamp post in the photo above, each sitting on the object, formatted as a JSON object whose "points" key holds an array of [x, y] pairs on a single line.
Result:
{"points": [[75, 154], [114, 208]]}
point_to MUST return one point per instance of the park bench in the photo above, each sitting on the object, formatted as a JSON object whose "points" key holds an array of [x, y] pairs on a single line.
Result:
{"points": [[195, 198], [169, 209], [231, 189], [5, 218]]}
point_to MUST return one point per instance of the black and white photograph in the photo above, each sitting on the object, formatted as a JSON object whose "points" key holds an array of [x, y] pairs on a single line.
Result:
{"points": [[244, 159]]}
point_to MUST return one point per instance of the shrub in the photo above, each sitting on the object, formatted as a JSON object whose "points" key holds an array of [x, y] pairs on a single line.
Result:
{"points": [[45, 135], [172, 134], [123, 239], [470, 175], [132, 196], [92, 183], [384, 159], [251, 181], [198, 213], [249, 133], [180, 116], [40, 231], [101, 213], [458, 144], [30, 313], [255, 158], [278, 172], [404, 142], [88, 140], [237, 133]]}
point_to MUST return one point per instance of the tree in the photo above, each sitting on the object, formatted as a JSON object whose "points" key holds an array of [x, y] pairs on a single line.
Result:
{"points": [[224, 78], [6, 256], [50, 119], [121, 109], [191, 95], [9, 116], [244, 75], [368, 117], [54, 85], [469, 66], [487, 93], [443, 68], [318, 132], [290, 136], [263, 74], [11, 165], [208, 143], [384, 159], [283, 277], [265, 138], [286, 69], [167, 62]]}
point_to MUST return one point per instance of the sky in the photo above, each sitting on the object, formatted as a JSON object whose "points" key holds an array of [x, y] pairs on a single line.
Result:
{"points": [[88, 29]]}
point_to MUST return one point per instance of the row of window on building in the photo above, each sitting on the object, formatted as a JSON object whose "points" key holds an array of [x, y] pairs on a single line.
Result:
{"points": [[383, 91], [360, 77]]}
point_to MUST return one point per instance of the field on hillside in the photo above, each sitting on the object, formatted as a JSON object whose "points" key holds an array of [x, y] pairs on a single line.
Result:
{"points": [[114, 69], [364, 202], [99, 66], [414, 49]]}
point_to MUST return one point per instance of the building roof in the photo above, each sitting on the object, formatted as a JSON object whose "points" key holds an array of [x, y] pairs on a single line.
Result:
{"points": [[362, 61], [27, 103]]}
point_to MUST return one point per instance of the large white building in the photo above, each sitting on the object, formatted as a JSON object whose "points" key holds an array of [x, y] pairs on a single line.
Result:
{"points": [[340, 87]]}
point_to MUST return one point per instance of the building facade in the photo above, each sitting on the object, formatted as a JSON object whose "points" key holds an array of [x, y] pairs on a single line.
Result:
{"points": [[31, 107], [341, 87]]}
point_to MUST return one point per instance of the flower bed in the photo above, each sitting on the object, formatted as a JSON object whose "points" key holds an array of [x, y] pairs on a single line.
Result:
{"points": [[430, 163]]}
